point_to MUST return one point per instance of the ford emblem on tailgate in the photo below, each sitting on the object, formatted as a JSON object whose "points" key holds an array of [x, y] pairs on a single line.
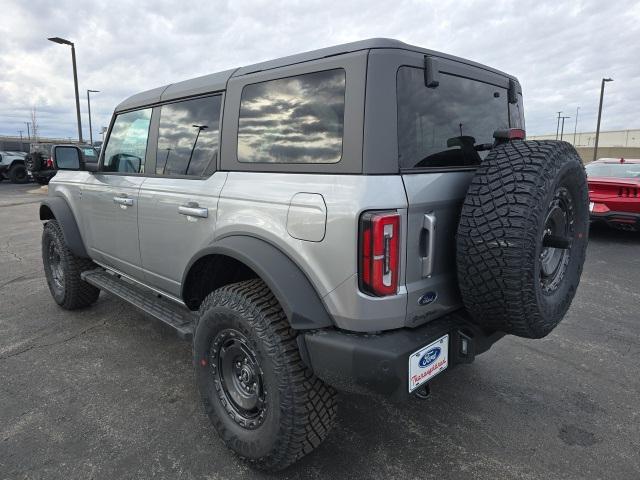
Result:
{"points": [[429, 357], [427, 298]]}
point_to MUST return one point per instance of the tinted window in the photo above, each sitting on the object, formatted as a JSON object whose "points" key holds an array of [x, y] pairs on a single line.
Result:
{"points": [[447, 125], [127, 145], [293, 120], [188, 136]]}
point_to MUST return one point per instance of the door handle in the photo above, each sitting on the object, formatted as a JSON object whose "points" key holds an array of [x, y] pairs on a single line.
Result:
{"points": [[122, 200], [428, 243], [192, 209]]}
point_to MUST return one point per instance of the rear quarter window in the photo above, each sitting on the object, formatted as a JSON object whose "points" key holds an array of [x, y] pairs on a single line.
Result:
{"points": [[290, 120], [446, 126]]}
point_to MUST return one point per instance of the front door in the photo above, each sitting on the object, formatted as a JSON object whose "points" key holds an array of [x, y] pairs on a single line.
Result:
{"points": [[111, 195]]}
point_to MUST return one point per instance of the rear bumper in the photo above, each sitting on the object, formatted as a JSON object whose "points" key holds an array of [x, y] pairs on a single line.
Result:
{"points": [[379, 363], [623, 220]]}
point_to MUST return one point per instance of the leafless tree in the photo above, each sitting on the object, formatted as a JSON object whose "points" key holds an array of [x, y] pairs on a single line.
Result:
{"points": [[34, 124]]}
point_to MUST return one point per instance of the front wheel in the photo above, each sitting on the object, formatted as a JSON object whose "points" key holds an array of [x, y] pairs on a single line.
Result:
{"points": [[62, 270], [18, 173], [267, 406]]}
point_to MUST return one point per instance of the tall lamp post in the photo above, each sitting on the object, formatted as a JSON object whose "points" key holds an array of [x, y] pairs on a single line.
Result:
{"points": [[89, 107], [62, 41], [575, 127], [595, 148]]}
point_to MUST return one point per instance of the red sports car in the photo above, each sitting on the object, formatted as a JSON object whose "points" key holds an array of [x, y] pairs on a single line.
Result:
{"points": [[614, 192]]}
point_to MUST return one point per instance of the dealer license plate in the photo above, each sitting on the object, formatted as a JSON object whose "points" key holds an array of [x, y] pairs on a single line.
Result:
{"points": [[427, 362]]}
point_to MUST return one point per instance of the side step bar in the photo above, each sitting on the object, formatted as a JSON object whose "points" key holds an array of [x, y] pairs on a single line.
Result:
{"points": [[176, 316]]}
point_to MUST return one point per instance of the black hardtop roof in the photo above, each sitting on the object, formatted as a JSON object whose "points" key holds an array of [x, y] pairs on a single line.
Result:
{"points": [[218, 81]]}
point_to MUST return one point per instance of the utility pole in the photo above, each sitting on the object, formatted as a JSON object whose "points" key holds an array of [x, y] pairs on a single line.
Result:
{"points": [[28, 132], [575, 128], [558, 127], [562, 131], [20, 132], [595, 148]]}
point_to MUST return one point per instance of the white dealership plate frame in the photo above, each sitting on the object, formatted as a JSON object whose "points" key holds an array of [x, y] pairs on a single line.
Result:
{"points": [[420, 375]]}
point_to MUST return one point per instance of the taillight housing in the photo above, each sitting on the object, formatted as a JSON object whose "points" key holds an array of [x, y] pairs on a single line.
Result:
{"points": [[49, 162], [379, 253]]}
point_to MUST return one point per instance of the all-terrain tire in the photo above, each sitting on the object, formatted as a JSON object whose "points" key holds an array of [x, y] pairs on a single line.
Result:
{"points": [[296, 411], [62, 270], [516, 199], [18, 173]]}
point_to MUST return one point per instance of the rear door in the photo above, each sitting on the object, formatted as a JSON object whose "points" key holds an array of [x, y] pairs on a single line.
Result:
{"points": [[111, 194], [441, 130], [178, 202]]}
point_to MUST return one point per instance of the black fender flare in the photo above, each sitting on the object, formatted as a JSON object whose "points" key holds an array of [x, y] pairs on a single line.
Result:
{"points": [[62, 213], [297, 296]]}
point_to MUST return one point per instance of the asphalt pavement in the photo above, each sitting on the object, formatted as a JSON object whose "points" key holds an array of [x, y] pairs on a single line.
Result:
{"points": [[108, 392]]}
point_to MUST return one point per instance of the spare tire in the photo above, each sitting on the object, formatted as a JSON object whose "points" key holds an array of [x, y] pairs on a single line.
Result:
{"points": [[522, 237]]}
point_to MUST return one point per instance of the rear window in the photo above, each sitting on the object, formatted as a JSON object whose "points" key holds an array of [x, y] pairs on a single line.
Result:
{"points": [[293, 120], [451, 125], [614, 170]]}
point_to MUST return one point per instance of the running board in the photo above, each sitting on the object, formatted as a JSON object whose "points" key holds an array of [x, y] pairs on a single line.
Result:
{"points": [[167, 311]]}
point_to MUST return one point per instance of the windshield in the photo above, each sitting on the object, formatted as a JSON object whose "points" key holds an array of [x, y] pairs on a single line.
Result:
{"points": [[615, 170], [450, 125]]}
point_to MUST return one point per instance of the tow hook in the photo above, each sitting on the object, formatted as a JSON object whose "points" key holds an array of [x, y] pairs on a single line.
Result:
{"points": [[423, 392]]}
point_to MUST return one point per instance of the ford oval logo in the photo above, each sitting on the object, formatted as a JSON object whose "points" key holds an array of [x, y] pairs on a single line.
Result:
{"points": [[429, 357], [427, 298]]}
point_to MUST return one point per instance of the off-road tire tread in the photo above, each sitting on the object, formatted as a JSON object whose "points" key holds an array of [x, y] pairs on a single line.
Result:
{"points": [[495, 245], [78, 293], [308, 406]]}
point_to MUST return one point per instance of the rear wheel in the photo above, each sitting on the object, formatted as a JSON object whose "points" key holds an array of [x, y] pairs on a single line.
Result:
{"points": [[522, 237], [62, 270], [267, 406], [18, 173]]}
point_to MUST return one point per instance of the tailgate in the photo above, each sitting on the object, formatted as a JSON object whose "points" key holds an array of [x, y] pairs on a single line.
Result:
{"points": [[434, 200]]}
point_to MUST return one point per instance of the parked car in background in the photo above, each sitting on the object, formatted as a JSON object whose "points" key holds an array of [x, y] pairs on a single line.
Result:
{"points": [[12, 166], [40, 163], [614, 192]]}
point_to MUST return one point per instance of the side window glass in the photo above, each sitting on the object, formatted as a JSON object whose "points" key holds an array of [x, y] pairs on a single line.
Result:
{"points": [[293, 120], [188, 136], [127, 146]]}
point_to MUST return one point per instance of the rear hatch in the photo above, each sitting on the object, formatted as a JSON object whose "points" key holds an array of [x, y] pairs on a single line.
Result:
{"points": [[444, 132]]}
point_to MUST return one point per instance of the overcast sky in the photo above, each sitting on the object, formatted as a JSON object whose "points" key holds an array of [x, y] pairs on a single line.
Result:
{"points": [[559, 50]]}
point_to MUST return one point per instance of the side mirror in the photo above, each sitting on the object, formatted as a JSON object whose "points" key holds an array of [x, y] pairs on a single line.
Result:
{"points": [[67, 157]]}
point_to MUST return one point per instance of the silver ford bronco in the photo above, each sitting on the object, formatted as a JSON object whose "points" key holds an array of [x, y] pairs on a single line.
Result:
{"points": [[362, 218]]}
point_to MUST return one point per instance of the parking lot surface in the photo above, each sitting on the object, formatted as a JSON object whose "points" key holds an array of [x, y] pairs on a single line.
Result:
{"points": [[109, 393]]}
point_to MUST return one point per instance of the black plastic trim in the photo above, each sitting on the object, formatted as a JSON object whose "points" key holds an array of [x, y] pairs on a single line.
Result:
{"points": [[63, 214], [379, 363], [297, 296]]}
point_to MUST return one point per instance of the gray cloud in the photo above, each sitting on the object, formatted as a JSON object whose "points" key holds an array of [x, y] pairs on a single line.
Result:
{"points": [[559, 50]]}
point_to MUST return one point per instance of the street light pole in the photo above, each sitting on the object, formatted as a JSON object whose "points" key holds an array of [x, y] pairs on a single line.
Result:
{"points": [[575, 127], [89, 107], [28, 131], [558, 127], [62, 41], [562, 131], [595, 148]]}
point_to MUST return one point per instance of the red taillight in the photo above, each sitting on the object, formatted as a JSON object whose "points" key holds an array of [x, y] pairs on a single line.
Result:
{"points": [[600, 208], [50, 162], [379, 253]]}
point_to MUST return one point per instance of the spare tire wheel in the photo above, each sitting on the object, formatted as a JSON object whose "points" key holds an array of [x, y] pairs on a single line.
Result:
{"points": [[522, 237]]}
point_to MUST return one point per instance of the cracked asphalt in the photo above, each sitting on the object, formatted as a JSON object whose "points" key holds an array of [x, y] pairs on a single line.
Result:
{"points": [[109, 393]]}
